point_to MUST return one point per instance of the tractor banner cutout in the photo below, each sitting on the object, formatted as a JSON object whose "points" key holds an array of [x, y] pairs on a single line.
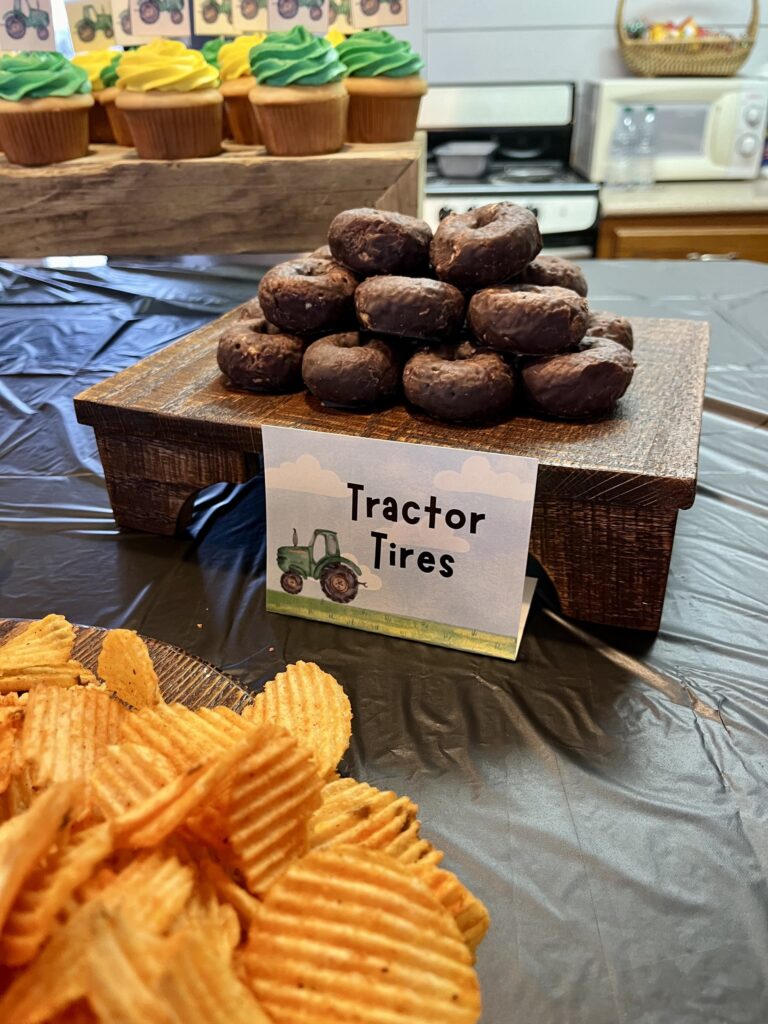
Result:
{"points": [[338, 16], [213, 17], [26, 25], [91, 25], [378, 13], [170, 18], [312, 14], [249, 16], [121, 19], [414, 541]]}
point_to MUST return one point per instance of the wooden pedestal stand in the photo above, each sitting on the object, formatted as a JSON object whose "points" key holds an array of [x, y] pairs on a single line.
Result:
{"points": [[608, 493]]}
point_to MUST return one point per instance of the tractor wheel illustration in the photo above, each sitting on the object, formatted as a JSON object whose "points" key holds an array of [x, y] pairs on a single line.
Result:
{"points": [[149, 12], [125, 22], [108, 32], [288, 8], [249, 9], [339, 584], [370, 7], [395, 7], [291, 582], [177, 17], [315, 13], [210, 13], [15, 26], [86, 32], [43, 33]]}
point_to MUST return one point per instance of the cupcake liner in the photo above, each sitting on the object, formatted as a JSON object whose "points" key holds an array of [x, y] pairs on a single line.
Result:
{"points": [[99, 127], [244, 127], [382, 118], [175, 133], [118, 124], [303, 129], [34, 138]]}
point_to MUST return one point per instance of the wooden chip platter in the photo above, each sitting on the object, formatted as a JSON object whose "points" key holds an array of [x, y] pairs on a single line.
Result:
{"points": [[113, 203], [608, 493]]}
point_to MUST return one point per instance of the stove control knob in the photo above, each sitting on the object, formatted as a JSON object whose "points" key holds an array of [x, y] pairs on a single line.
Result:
{"points": [[747, 145], [753, 115]]}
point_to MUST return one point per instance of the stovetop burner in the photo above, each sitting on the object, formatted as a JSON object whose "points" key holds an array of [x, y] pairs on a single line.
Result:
{"points": [[511, 176]]}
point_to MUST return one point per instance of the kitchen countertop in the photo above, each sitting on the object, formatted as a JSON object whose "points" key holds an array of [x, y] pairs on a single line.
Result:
{"points": [[681, 197]]}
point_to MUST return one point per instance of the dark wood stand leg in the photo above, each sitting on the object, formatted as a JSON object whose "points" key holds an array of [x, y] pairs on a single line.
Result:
{"points": [[608, 563], [150, 482]]}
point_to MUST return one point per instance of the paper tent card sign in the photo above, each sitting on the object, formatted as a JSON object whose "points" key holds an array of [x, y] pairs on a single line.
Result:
{"points": [[26, 25], [416, 541]]}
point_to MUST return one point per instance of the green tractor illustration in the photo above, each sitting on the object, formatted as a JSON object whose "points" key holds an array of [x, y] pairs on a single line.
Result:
{"points": [[91, 23], [338, 8], [125, 21], [371, 7], [150, 10], [213, 8], [337, 575], [250, 8], [290, 8], [26, 15]]}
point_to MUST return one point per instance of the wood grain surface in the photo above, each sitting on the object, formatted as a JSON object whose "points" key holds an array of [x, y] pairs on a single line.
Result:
{"points": [[113, 203], [182, 677]]}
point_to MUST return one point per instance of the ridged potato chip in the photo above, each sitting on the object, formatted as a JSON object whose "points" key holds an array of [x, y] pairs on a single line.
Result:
{"points": [[355, 813], [185, 737], [350, 935], [19, 793], [46, 642], [312, 706], [468, 911], [228, 891], [27, 677], [126, 775], [272, 797], [127, 669]]}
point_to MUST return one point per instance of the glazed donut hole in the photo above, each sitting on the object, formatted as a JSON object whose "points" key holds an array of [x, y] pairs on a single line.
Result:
{"points": [[254, 356], [458, 383], [352, 370], [308, 295]]}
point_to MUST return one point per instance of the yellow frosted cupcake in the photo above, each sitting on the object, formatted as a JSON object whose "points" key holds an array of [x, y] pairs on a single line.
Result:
{"points": [[384, 86], [107, 97], [44, 104], [236, 82], [170, 97], [299, 96], [93, 63]]}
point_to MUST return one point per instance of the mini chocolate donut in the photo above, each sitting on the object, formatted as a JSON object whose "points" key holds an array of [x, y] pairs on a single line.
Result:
{"points": [[554, 270], [610, 325], [456, 382], [251, 310], [578, 385], [308, 294], [485, 246], [351, 369], [528, 319], [410, 307], [254, 355], [376, 242]]}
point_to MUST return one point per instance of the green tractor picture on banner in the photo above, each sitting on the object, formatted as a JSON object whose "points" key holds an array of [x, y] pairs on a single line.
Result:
{"points": [[213, 9], [250, 8], [27, 15], [290, 8], [93, 22], [150, 10], [319, 560]]}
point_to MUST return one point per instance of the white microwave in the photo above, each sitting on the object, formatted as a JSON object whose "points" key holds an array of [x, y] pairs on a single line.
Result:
{"points": [[706, 128]]}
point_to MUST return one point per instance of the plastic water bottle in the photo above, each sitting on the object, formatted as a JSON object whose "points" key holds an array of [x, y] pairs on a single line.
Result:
{"points": [[622, 172], [645, 163]]}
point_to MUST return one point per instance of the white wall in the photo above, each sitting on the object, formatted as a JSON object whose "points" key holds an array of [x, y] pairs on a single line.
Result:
{"points": [[545, 40]]}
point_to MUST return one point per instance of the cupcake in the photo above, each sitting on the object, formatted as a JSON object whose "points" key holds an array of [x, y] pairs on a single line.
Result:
{"points": [[299, 96], [236, 83], [170, 98], [117, 120], [93, 63], [384, 87], [44, 104]]}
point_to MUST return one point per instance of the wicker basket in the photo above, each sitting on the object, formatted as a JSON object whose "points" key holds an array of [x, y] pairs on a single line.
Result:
{"points": [[686, 57]]}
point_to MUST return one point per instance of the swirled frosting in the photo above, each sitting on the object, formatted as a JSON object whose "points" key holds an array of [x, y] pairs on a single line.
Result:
{"points": [[93, 64], [234, 57], [295, 58], [210, 50], [27, 76], [165, 65], [374, 53], [335, 37], [109, 73]]}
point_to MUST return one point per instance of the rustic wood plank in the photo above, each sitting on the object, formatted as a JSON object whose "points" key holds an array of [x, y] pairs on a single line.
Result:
{"points": [[112, 202]]}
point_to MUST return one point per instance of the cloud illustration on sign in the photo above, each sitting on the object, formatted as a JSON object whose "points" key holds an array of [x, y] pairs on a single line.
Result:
{"points": [[478, 476], [441, 538], [368, 577], [308, 476]]}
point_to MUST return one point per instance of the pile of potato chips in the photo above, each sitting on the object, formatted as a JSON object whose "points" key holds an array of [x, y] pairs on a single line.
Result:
{"points": [[166, 866]]}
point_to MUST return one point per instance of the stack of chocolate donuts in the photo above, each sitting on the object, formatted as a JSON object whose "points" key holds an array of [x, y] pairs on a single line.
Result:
{"points": [[468, 322]]}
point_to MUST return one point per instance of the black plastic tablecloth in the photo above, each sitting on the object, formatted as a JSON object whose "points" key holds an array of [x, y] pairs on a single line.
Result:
{"points": [[605, 795]]}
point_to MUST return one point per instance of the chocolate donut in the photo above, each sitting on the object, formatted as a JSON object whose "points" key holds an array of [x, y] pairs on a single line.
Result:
{"points": [[254, 355], [528, 319], [251, 310], [351, 369], [308, 294], [372, 242], [410, 307], [323, 253], [456, 382], [485, 246], [610, 325], [554, 270], [577, 385]]}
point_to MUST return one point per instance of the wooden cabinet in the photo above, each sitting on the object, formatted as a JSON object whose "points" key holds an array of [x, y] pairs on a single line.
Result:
{"points": [[738, 236]]}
